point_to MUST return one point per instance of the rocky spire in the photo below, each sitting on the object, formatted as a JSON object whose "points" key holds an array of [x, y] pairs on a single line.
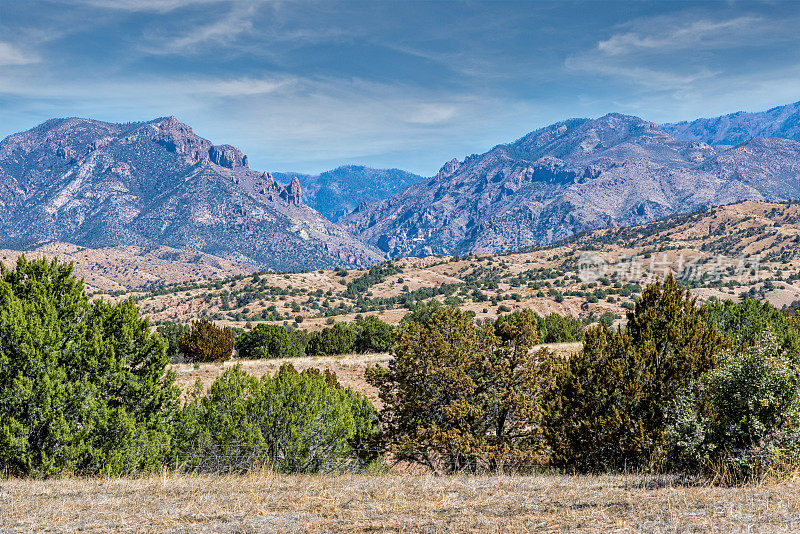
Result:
{"points": [[295, 193], [449, 168]]}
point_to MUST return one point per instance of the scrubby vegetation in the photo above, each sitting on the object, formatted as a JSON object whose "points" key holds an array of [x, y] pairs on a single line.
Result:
{"points": [[293, 422], [206, 342], [84, 386], [706, 390], [270, 341]]}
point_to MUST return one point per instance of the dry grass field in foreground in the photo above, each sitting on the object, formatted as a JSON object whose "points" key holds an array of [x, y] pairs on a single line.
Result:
{"points": [[268, 502]]}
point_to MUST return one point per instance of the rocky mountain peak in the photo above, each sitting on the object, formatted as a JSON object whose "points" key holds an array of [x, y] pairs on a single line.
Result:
{"points": [[157, 183], [581, 174], [449, 168], [737, 128]]}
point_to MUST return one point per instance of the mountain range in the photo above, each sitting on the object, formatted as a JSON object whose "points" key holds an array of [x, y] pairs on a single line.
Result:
{"points": [[158, 184], [583, 174]]}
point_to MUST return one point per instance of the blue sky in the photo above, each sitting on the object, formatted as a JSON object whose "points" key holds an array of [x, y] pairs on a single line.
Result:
{"points": [[308, 86]]}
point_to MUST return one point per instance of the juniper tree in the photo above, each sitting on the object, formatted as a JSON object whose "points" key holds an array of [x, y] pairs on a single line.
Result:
{"points": [[461, 397], [612, 403], [83, 384], [206, 342]]}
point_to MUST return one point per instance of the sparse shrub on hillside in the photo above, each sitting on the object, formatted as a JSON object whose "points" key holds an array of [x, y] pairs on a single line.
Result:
{"points": [[84, 386], [458, 397], [612, 403], [270, 341], [205, 342], [294, 422]]}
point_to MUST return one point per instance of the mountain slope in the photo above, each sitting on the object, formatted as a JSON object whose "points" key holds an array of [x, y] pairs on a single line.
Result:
{"points": [[157, 183], [569, 177], [338, 192], [740, 127]]}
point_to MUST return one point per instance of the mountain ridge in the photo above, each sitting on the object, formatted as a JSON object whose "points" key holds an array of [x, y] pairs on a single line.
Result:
{"points": [[157, 183], [572, 176], [337, 192]]}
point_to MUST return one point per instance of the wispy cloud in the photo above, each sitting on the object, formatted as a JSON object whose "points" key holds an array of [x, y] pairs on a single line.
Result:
{"points": [[237, 21], [437, 113], [158, 6], [678, 52], [666, 35], [11, 55]]}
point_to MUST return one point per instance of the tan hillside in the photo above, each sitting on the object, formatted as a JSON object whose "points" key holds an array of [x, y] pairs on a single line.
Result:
{"points": [[747, 248], [125, 268]]}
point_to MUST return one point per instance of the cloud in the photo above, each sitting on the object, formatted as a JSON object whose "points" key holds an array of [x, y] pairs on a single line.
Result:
{"points": [[34, 87], [665, 35], [158, 6], [239, 87], [681, 51], [646, 77], [431, 114], [225, 29], [10, 55]]}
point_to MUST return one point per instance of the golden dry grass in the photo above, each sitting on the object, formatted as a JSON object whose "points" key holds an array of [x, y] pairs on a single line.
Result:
{"points": [[268, 502]]}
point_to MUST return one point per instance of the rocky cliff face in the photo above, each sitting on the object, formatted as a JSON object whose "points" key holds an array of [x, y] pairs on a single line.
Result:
{"points": [[158, 183], [575, 175]]}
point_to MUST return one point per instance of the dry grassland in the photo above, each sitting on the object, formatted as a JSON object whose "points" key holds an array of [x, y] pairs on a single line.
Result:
{"points": [[268, 502]]}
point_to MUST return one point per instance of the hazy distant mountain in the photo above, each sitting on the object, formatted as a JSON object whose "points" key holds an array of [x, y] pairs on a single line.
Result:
{"points": [[740, 127], [157, 183], [576, 175], [337, 192]]}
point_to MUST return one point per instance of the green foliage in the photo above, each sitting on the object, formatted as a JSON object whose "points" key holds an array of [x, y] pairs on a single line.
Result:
{"points": [[748, 398], [744, 323], [611, 404], [83, 385], [460, 397], [365, 334], [423, 312], [557, 328], [294, 422], [270, 341], [172, 333], [372, 335], [337, 339], [205, 342]]}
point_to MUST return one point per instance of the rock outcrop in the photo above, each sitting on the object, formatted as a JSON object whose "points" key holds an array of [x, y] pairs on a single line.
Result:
{"points": [[227, 156], [337, 192]]}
